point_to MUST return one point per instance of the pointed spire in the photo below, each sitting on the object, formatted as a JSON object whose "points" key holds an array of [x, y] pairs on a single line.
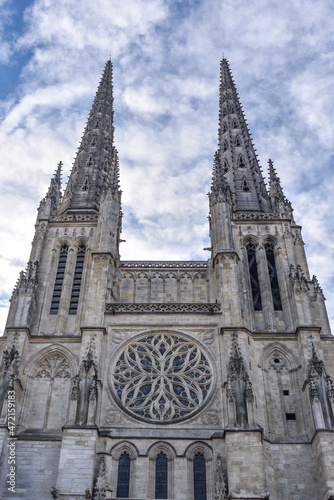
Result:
{"points": [[95, 168], [220, 190], [237, 159], [279, 202], [49, 205]]}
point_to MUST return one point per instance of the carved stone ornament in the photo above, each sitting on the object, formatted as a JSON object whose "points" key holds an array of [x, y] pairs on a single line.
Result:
{"points": [[297, 279], [277, 362], [318, 292], [54, 366], [249, 396], [99, 492], [10, 359], [162, 377], [75, 392], [220, 486], [28, 279]]}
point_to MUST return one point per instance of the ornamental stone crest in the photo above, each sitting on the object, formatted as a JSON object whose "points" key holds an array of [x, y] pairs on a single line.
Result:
{"points": [[162, 377]]}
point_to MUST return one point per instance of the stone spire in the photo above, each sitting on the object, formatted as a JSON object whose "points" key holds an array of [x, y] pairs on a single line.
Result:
{"points": [[95, 168], [235, 160], [279, 202], [50, 203]]}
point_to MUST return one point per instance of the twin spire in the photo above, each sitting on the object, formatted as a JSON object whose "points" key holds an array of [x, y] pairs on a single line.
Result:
{"points": [[96, 166], [237, 177], [237, 174]]}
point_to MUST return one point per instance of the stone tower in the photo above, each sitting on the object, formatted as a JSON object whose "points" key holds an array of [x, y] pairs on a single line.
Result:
{"points": [[191, 380]]}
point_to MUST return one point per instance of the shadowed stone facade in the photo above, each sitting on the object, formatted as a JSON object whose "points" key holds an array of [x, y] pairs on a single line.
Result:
{"points": [[190, 380]]}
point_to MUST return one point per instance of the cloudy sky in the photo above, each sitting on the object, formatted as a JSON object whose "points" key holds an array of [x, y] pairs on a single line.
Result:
{"points": [[166, 56]]}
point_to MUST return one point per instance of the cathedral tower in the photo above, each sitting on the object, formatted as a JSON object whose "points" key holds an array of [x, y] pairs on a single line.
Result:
{"points": [[184, 380]]}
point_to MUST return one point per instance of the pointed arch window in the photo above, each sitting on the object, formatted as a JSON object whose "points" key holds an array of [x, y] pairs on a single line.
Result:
{"points": [[85, 186], [59, 279], [237, 141], [224, 128], [226, 166], [269, 249], [245, 186], [199, 477], [77, 280], [234, 123], [241, 162], [254, 277], [225, 146], [123, 476], [161, 476]]}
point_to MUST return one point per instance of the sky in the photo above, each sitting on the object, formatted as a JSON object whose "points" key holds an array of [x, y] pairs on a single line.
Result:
{"points": [[166, 56]]}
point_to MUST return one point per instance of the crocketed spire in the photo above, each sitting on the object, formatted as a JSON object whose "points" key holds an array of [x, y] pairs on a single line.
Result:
{"points": [[95, 168], [235, 160]]}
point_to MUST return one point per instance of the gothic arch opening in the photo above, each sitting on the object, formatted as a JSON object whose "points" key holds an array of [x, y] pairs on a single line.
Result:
{"points": [[46, 398], [284, 415]]}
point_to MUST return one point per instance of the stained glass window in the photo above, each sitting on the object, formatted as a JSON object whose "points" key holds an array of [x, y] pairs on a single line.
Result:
{"points": [[199, 477], [162, 377], [161, 476], [123, 477]]}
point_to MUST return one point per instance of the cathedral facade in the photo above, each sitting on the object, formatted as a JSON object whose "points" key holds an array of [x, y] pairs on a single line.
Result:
{"points": [[184, 380]]}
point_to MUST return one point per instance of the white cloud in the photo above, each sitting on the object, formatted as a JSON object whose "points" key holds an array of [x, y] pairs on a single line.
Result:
{"points": [[166, 77]]}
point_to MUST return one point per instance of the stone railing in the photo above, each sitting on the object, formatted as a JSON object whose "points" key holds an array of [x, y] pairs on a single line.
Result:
{"points": [[200, 308]]}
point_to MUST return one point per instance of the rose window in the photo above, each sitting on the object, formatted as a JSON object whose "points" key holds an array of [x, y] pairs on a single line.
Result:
{"points": [[162, 377]]}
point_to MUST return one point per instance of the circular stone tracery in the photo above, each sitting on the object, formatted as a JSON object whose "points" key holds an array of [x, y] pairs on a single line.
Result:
{"points": [[162, 377]]}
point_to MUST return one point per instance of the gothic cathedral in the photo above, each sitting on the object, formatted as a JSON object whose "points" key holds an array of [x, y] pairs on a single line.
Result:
{"points": [[190, 380]]}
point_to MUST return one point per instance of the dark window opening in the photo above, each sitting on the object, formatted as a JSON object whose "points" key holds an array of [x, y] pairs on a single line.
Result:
{"points": [[245, 186], [59, 280], [290, 416], [123, 476], [273, 277], [199, 477], [161, 476], [77, 280], [254, 277], [286, 393], [241, 162]]}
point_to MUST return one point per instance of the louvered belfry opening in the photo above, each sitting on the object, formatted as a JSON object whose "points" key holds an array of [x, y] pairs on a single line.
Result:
{"points": [[59, 280], [77, 280], [254, 277], [273, 276]]}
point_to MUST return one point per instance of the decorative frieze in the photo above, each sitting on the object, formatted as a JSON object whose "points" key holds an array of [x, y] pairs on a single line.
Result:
{"points": [[163, 308], [133, 264]]}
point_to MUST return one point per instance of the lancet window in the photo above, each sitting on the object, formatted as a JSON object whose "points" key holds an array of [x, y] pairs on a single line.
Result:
{"points": [[269, 248], [199, 477], [161, 472], [123, 476], [254, 277], [59, 280], [77, 280]]}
